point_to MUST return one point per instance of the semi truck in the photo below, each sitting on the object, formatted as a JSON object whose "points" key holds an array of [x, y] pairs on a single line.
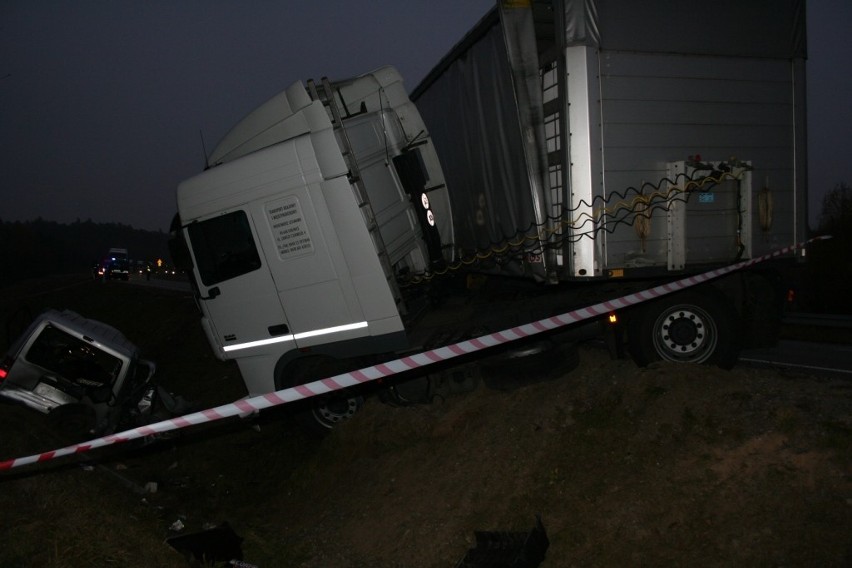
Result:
{"points": [[562, 153]]}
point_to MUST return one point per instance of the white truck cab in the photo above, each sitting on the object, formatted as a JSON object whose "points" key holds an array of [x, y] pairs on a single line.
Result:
{"points": [[312, 205]]}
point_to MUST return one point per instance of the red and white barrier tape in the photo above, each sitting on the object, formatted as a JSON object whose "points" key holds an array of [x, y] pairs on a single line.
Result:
{"points": [[384, 370]]}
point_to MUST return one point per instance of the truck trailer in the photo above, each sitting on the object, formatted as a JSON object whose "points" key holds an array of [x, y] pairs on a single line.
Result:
{"points": [[562, 153], [622, 142]]}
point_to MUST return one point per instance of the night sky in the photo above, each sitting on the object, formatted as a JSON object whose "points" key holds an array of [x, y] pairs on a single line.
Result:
{"points": [[102, 102]]}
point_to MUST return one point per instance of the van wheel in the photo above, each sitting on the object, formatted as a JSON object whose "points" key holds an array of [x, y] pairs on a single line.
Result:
{"points": [[319, 414], [695, 326]]}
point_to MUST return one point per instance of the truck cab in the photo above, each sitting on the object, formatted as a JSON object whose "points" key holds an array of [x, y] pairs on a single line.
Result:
{"points": [[311, 208]]}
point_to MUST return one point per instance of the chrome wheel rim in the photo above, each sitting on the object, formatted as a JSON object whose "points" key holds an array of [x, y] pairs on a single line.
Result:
{"points": [[685, 334]]}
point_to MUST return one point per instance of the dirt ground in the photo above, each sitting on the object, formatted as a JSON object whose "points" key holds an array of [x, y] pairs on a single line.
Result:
{"points": [[668, 465]]}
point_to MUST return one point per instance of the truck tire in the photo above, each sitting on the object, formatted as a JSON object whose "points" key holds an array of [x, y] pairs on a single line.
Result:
{"points": [[320, 414], [530, 363], [695, 326]]}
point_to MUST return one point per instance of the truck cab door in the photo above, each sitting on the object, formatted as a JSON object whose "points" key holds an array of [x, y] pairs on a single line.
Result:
{"points": [[241, 307]]}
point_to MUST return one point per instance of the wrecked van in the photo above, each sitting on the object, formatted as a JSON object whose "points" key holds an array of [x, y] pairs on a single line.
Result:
{"points": [[85, 375]]}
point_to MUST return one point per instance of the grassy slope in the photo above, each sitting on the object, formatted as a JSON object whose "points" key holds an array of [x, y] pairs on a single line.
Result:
{"points": [[668, 465]]}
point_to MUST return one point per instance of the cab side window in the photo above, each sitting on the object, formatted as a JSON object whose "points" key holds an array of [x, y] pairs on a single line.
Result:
{"points": [[224, 247]]}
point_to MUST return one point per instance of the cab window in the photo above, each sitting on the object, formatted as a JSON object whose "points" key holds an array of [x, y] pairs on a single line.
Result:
{"points": [[223, 247]]}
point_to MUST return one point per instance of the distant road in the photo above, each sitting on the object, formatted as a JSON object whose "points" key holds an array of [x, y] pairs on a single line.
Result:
{"points": [[812, 356], [819, 358], [166, 284]]}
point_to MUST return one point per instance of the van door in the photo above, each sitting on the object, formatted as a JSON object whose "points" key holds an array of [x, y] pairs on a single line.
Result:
{"points": [[237, 293]]}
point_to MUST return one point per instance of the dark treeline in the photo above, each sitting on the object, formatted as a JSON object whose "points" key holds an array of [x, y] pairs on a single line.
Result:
{"points": [[32, 249]]}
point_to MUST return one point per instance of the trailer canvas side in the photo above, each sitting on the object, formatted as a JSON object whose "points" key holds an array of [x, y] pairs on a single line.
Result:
{"points": [[585, 120]]}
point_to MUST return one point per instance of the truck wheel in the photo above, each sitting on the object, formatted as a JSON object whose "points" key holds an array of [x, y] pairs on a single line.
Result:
{"points": [[696, 326], [530, 363], [319, 414], [332, 409]]}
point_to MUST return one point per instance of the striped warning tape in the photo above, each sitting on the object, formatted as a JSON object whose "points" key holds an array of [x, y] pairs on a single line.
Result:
{"points": [[390, 368]]}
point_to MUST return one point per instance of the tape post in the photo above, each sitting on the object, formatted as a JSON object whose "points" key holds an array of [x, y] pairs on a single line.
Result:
{"points": [[390, 368]]}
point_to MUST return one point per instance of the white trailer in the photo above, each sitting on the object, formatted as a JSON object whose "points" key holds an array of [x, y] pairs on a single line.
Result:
{"points": [[324, 233], [624, 141]]}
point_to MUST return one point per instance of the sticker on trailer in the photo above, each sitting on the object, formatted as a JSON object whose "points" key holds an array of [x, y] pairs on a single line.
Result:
{"points": [[289, 228]]}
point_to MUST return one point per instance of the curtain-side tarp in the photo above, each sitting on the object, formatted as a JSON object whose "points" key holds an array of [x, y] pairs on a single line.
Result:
{"points": [[467, 100], [472, 117]]}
